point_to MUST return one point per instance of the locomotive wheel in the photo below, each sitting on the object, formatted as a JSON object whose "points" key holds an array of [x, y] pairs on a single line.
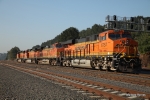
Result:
{"points": [[93, 68], [122, 66], [38, 62], [107, 69], [23, 61], [61, 63], [100, 67], [64, 64], [50, 62], [69, 64], [134, 66], [92, 65], [119, 68], [35, 61]]}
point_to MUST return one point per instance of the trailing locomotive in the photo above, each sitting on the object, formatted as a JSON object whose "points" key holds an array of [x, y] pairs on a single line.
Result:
{"points": [[113, 50]]}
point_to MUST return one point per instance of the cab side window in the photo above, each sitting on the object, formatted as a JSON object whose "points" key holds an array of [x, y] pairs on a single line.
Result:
{"points": [[102, 38]]}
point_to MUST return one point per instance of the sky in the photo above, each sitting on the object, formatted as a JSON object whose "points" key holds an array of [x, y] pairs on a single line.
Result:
{"points": [[26, 23]]}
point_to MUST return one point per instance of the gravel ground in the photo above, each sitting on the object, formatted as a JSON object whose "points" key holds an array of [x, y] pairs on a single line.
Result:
{"points": [[15, 85], [141, 88]]}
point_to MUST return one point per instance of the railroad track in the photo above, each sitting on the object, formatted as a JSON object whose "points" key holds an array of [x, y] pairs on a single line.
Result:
{"points": [[145, 76], [86, 87], [129, 78], [122, 77], [134, 79]]}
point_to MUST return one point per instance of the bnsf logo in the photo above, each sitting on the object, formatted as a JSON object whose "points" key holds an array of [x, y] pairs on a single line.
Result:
{"points": [[104, 44]]}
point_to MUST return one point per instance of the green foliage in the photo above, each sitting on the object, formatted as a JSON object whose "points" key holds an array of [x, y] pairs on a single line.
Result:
{"points": [[73, 33], [143, 40], [70, 33], [37, 46], [11, 55], [46, 43], [67, 34], [90, 31]]}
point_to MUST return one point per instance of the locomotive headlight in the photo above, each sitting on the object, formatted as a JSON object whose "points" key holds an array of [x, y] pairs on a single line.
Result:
{"points": [[124, 54], [127, 42]]}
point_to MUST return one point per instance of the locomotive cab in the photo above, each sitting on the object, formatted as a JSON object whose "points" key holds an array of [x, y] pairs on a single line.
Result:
{"points": [[105, 44], [120, 42], [119, 51]]}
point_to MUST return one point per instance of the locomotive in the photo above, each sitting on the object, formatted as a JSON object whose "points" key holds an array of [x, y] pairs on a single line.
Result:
{"points": [[113, 49]]}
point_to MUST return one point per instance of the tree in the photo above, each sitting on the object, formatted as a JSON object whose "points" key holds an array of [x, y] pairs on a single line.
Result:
{"points": [[82, 33], [37, 46], [11, 55], [143, 40], [70, 33], [95, 29]]}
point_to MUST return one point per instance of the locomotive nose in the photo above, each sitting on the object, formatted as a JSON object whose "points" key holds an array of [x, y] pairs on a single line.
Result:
{"points": [[125, 42]]}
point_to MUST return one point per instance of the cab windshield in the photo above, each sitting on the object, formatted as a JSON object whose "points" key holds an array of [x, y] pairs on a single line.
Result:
{"points": [[115, 36], [126, 35]]}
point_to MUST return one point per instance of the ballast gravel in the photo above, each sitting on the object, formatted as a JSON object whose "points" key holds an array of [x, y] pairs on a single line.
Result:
{"points": [[16, 85], [141, 88]]}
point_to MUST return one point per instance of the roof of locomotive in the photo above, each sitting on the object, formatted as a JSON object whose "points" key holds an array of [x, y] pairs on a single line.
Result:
{"points": [[71, 41], [88, 38], [115, 31]]}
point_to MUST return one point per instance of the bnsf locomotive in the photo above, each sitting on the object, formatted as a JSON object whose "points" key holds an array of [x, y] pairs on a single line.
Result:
{"points": [[110, 50]]}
